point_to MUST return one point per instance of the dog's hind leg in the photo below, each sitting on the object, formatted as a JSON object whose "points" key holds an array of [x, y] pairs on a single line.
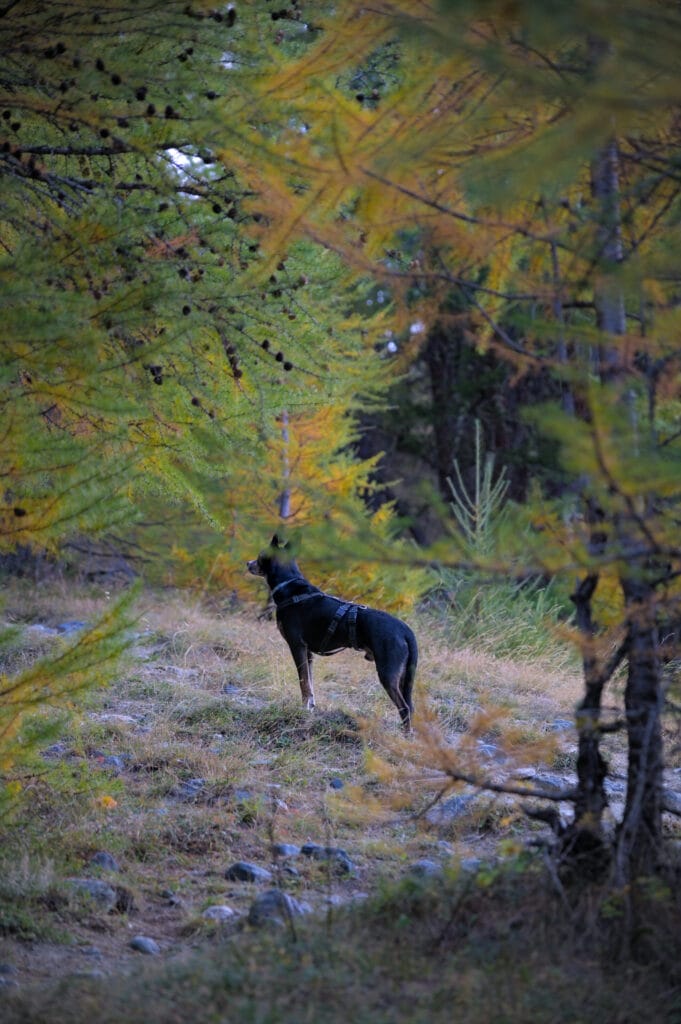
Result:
{"points": [[396, 667], [393, 672]]}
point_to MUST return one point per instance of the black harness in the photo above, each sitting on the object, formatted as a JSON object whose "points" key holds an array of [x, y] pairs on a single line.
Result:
{"points": [[344, 608]]}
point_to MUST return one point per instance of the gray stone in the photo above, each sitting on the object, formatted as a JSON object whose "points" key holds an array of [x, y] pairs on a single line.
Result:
{"points": [[552, 783], [275, 907], [425, 869], [338, 858], [491, 751], [56, 750], [105, 860], [448, 811], [101, 892], [472, 864], [242, 871], [93, 951], [39, 630], [219, 912], [671, 801], [143, 944], [73, 626], [285, 850], [561, 725], [190, 789], [8, 971], [116, 762], [111, 716]]}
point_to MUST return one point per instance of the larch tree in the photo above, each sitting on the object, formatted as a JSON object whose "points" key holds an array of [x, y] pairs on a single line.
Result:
{"points": [[152, 335], [522, 161]]}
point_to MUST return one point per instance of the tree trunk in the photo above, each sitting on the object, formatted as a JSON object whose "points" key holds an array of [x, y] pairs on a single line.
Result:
{"points": [[640, 833]]}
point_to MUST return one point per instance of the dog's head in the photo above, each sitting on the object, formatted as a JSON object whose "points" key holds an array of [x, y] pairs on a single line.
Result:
{"points": [[270, 558]]}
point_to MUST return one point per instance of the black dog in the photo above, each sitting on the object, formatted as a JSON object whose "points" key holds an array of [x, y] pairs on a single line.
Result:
{"points": [[312, 622]]}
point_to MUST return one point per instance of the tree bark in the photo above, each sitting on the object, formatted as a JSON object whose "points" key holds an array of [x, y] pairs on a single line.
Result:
{"points": [[640, 833]]}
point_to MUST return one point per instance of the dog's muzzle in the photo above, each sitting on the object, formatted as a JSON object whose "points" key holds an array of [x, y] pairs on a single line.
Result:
{"points": [[254, 568]]}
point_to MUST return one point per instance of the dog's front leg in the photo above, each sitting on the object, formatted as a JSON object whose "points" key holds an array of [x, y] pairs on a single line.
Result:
{"points": [[303, 659]]}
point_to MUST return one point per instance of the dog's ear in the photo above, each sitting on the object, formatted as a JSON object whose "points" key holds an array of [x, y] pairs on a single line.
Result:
{"points": [[278, 544]]}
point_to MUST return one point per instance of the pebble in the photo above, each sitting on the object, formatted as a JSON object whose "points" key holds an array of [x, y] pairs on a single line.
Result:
{"points": [[56, 750], [275, 907], [105, 860], [561, 725], [338, 857], [74, 626], [143, 944], [285, 850], [450, 810], [189, 790], [38, 629], [424, 868], [101, 892], [242, 871], [336, 783], [219, 912]]}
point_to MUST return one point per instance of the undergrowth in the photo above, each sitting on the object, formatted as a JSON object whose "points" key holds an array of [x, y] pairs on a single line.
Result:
{"points": [[497, 946]]}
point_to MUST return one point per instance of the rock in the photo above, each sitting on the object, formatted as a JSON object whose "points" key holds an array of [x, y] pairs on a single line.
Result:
{"points": [[336, 783], [105, 860], [219, 912], [491, 751], [111, 716], [339, 858], [242, 871], [472, 864], [37, 631], [275, 907], [143, 944], [73, 626], [552, 783], [56, 750], [190, 789], [115, 762], [93, 951], [101, 892], [425, 869], [242, 796], [282, 850], [8, 971], [671, 801], [448, 811], [561, 725]]}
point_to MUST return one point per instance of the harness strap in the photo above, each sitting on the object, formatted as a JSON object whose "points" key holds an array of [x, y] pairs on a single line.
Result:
{"points": [[352, 625], [344, 608], [333, 626], [296, 600]]}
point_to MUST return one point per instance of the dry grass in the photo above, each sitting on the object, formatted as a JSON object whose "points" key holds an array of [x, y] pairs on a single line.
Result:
{"points": [[211, 694]]}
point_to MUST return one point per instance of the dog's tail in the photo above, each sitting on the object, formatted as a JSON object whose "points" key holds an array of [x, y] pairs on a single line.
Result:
{"points": [[409, 672]]}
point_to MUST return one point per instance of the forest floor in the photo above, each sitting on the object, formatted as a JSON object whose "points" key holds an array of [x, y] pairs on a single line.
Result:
{"points": [[198, 757]]}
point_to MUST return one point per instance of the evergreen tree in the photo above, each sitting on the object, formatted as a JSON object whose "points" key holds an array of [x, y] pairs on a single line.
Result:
{"points": [[150, 338], [524, 158]]}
